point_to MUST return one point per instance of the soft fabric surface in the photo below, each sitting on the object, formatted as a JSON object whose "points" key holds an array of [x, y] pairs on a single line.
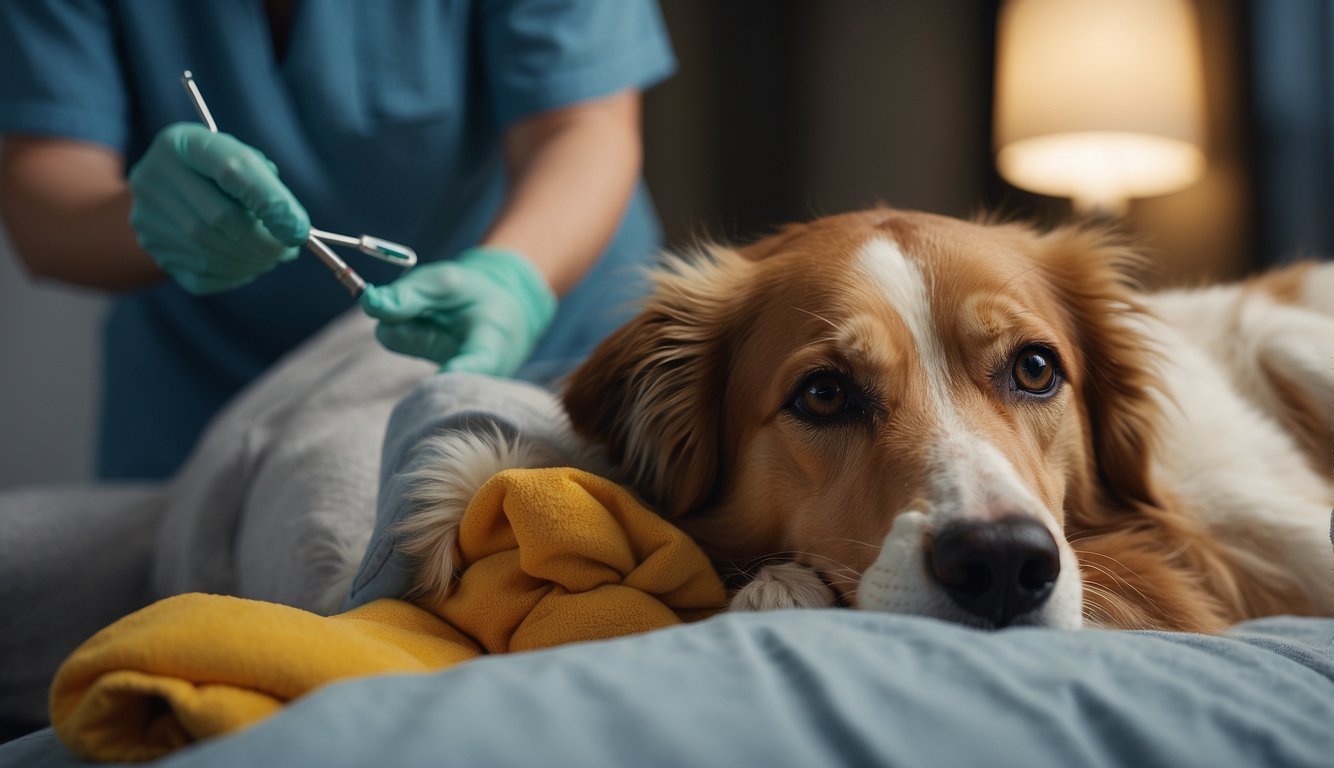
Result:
{"points": [[194, 666], [805, 688], [447, 412], [547, 557], [71, 561], [791, 688], [276, 503], [279, 495]]}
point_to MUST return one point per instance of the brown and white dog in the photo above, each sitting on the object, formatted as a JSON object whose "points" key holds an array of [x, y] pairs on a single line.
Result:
{"points": [[982, 423]]}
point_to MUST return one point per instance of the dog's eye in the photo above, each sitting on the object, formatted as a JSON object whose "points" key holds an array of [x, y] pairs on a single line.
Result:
{"points": [[1034, 370], [822, 396]]}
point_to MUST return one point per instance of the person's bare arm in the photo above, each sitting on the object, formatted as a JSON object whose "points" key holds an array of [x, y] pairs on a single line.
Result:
{"points": [[572, 172], [66, 205]]}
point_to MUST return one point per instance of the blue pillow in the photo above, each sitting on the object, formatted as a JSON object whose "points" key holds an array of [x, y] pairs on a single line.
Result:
{"points": [[817, 688]]}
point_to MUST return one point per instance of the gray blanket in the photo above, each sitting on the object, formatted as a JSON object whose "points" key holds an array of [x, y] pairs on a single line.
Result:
{"points": [[276, 503]]}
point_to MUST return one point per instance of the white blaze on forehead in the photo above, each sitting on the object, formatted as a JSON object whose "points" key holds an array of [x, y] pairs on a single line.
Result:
{"points": [[884, 264], [970, 478]]}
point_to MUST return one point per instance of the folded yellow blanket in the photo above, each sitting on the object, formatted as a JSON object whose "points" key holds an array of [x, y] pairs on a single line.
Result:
{"points": [[547, 556]]}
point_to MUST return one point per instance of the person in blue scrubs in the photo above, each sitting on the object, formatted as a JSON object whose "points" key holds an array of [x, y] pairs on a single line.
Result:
{"points": [[499, 138]]}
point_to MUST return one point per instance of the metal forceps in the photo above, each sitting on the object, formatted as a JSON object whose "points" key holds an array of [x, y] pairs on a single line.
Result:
{"points": [[319, 239]]}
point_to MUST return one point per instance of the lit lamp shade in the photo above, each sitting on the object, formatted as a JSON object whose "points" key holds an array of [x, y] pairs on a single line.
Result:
{"points": [[1099, 100]]}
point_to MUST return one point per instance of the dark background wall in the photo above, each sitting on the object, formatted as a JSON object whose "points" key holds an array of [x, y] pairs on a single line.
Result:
{"points": [[787, 109], [1291, 57]]}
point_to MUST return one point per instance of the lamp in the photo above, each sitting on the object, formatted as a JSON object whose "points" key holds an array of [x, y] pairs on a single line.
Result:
{"points": [[1099, 100]]}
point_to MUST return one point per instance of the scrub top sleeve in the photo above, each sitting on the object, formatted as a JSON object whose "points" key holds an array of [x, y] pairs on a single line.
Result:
{"points": [[544, 54], [62, 76]]}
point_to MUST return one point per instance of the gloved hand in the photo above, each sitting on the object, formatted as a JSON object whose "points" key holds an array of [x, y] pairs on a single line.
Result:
{"points": [[210, 210], [481, 313]]}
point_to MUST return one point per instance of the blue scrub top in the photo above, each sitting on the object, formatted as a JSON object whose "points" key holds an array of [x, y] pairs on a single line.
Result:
{"points": [[384, 118]]}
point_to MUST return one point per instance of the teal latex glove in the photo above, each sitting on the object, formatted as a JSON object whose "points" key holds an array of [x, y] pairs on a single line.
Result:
{"points": [[481, 313], [210, 210]]}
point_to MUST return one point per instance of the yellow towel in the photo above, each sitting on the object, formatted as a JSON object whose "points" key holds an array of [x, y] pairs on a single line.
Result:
{"points": [[547, 556]]}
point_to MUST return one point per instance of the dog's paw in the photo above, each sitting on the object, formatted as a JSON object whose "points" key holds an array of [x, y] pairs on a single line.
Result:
{"points": [[785, 585]]}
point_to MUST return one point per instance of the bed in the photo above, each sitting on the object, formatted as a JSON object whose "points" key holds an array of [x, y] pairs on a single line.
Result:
{"points": [[289, 486]]}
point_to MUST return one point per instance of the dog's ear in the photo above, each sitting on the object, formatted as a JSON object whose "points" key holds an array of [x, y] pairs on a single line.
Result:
{"points": [[653, 390], [1090, 269]]}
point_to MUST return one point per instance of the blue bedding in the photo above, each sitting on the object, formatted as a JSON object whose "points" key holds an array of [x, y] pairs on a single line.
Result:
{"points": [[799, 688], [808, 688]]}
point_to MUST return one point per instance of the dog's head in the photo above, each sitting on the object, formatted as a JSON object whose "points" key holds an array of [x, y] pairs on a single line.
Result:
{"points": [[910, 405]]}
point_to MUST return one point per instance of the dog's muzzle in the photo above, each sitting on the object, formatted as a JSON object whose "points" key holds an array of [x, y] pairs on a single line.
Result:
{"points": [[995, 570]]}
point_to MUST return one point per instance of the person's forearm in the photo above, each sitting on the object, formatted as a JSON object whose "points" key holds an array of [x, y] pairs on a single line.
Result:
{"points": [[572, 172], [66, 205]]}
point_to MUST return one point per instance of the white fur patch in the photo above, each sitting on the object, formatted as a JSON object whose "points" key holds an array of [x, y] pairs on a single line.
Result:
{"points": [[898, 582], [1227, 461], [971, 479], [903, 284]]}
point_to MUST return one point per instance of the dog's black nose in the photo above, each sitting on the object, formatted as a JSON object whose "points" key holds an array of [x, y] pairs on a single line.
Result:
{"points": [[995, 570]]}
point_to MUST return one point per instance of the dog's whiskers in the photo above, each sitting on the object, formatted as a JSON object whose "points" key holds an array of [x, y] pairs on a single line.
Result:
{"points": [[1108, 572], [860, 543], [1115, 577], [1084, 553], [1112, 611], [1097, 614], [821, 318], [793, 554]]}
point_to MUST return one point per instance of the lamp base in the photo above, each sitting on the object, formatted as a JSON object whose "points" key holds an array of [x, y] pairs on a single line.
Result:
{"points": [[1101, 206]]}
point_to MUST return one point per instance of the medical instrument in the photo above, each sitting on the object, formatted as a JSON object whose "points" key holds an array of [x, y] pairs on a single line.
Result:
{"points": [[188, 80], [384, 250]]}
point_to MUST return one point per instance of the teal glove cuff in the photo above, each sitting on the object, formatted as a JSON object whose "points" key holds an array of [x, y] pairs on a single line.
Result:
{"points": [[509, 268], [481, 313]]}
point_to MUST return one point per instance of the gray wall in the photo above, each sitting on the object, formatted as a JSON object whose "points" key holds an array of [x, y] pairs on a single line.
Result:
{"points": [[48, 378]]}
